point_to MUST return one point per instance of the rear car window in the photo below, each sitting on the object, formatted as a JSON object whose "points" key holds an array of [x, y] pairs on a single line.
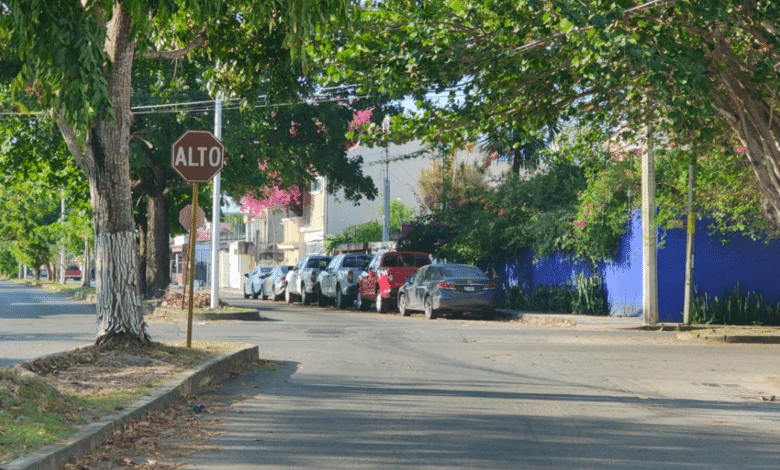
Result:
{"points": [[356, 262], [461, 271]]}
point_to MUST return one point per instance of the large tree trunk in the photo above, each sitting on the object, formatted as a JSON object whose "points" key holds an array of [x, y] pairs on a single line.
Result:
{"points": [[142, 249], [86, 266], [755, 120], [157, 247], [105, 160]]}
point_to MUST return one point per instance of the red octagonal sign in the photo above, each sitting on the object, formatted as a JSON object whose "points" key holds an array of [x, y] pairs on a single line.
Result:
{"points": [[197, 156]]}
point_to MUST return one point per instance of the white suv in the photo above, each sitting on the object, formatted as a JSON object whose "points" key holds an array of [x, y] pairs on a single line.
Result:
{"points": [[303, 277]]}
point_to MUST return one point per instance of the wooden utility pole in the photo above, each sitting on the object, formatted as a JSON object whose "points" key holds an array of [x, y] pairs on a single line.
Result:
{"points": [[649, 245]]}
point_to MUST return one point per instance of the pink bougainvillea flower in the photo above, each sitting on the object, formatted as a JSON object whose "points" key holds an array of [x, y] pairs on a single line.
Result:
{"points": [[501, 212], [740, 149]]}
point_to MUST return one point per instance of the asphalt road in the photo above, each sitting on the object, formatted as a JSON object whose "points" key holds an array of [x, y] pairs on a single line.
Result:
{"points": [[359, 390], [35, 322]]}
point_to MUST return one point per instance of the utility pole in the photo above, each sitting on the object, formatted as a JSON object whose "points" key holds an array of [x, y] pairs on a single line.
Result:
{"points": [[216, 200], [691, 235], [62, 242], [386, 225], [649, 249]]}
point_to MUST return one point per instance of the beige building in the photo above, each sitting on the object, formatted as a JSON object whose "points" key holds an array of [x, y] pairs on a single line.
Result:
{"points": [[327, 214]]}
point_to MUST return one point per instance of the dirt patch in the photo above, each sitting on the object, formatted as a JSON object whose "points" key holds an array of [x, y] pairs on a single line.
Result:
{"points": [[92, 382]]}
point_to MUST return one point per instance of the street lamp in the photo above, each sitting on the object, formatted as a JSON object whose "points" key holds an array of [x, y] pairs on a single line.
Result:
{"points": [[386, 225]]}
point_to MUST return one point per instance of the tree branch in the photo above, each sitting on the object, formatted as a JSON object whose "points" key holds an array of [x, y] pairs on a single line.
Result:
{"points": [[179, 53]]}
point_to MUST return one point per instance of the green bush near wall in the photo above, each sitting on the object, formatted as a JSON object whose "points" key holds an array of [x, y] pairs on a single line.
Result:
{"points": [[584, 296], [736, 308]]}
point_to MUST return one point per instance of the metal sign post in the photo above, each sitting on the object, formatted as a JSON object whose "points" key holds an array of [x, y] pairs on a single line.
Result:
{"points": [[197, 156], [191, 275]]}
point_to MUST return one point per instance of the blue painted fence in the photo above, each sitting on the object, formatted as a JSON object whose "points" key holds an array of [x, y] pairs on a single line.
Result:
{"points": [[718, 267]]}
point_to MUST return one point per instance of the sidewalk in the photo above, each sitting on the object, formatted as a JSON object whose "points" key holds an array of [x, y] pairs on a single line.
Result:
{"points": [[590, 322], [719, 333]]}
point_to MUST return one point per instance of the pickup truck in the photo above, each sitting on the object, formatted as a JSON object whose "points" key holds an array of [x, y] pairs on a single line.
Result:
{"points": [[302, 278], [73, 272], [385, 275], [338, 283]]}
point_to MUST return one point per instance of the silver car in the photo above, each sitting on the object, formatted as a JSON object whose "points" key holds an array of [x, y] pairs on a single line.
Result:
{"points": [[273, 284], [253, 281], [451, 288], [338, 283]]}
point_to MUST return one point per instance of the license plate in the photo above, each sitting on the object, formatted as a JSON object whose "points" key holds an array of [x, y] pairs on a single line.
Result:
{"points": [[470, 289]]}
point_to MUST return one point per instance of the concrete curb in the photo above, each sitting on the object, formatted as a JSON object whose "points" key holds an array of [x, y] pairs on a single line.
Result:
{"points": [[89, 438], [176, 314]]}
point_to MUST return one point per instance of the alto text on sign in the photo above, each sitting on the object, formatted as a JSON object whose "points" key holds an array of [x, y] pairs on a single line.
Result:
{"points": [[197, 156]]}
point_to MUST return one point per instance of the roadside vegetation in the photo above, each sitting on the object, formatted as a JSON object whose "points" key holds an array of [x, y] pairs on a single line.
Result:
{"points": [[50, 398]]}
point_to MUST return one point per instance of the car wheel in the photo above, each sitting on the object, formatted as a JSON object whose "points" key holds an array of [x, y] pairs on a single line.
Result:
{"points": [[430, 314], [246, 296], [341, 301], [321, 299], [488, 314], [402, 306], [305, 297], [360, 302], [381, 304], [287, 296]]}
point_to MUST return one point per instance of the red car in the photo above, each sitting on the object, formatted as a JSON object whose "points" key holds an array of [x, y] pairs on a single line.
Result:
{"points": [[386, 273]]}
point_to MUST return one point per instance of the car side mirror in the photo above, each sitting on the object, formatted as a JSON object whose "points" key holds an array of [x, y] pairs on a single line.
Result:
{"points": [[246, 275], [408, 280]]}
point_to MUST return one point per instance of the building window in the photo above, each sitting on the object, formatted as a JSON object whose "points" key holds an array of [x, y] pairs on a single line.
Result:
{"points": [[316, 185]]}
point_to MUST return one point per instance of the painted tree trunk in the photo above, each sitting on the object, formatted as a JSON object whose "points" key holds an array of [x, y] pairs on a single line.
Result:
{"points": [[105, 160]]}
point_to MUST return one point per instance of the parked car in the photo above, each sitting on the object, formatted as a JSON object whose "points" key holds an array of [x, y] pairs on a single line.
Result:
{"points": [[254, 280], [452, 288], [338, 282], [273, 284], [73, 272], [303, 277], [385, 275]]}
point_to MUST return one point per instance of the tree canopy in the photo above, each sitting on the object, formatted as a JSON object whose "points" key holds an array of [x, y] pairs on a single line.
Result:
{"points": [[76, 59], [698, 71]]}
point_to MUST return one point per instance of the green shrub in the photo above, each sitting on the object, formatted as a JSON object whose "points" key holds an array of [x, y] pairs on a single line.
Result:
{"points": [[585, 295], [736, 308]]}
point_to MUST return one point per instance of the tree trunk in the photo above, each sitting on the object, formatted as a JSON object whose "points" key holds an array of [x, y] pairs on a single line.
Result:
{"points": [[86, 270], [157, 247], [105, 160], [755, 121], [143, 248]]}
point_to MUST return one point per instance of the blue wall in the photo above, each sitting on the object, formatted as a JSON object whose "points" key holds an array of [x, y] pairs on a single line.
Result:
{"points": [[718, 267]]}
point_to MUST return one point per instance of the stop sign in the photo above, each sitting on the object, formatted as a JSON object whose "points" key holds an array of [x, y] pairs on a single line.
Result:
{"points": [[197, 156]]}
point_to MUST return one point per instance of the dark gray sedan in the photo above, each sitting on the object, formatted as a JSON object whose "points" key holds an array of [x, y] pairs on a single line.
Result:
{"points": [[451, 288]]}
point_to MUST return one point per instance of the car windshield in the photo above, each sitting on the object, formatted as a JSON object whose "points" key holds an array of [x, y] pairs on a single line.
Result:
{"points": [[461, 271]]}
